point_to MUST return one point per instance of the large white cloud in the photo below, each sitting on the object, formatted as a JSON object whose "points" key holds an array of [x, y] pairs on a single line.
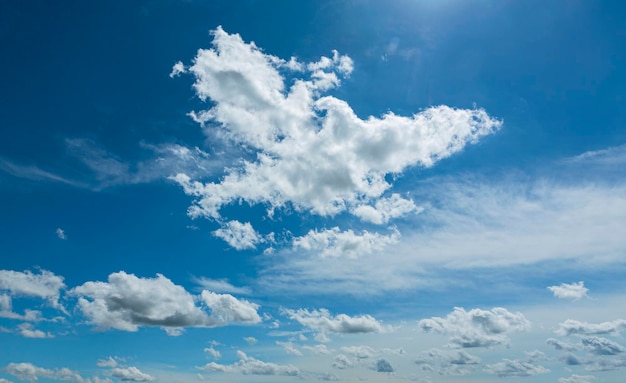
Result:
{"points": [[126, 302], [323, 321], [311, 151], [477, 328]]}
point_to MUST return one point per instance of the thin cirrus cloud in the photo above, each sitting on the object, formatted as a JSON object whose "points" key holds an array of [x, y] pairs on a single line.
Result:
{"points": [[312, 152]]}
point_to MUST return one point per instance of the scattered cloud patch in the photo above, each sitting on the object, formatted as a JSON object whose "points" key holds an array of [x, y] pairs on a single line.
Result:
{"points": [[515, 367], [572, 327], [32, 373], [28, 331], [44, 285], [337, 243], [220, 286], [449, 362], [382, 365], [572, 291], [248, 365], [578, 379], [602, 346], [240, 236], [61, 233], [323, 321], [476, 328], [130, 374]]}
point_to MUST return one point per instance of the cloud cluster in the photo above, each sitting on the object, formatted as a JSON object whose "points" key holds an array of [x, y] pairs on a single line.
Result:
{"points": [[126, 302], [324, 322], [239, 235], [310, 151], [476, 328], [572, 291], [44, 285], [248, 365]]}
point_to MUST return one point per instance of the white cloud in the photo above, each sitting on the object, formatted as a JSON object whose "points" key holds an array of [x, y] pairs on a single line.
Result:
{"points": [[130, 374], [571, 326], [45, 285], [602, 346], [214, 353], [290, 348], [227, 309], [109, 362], [562, 346], [220, 286], [2, 380], [177, 69], [250, 340], [248, 365], [32, 373], [312, 151], [61, 233], [572, 291], [337, 243], [359, 352], [449, 362], [324, 322], [126, 302], [239, 235], [516, 367], [319, 349], [342, 362], [578, 379], [477, 328], [386, 209], [27, 331]]}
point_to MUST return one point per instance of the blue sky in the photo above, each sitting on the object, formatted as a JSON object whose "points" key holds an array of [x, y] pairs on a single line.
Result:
{"points": [[428, 191]]}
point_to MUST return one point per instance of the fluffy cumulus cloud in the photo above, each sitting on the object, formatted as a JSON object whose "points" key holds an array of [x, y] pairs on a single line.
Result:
{"points": [[572, 291], [515, 367], [477, 328], [571, 327], [44, 285], [337, 243], [248, 365], [324, 322], [228, 309], [28, 331], [310, 151], [239, 235], [126, 302]]}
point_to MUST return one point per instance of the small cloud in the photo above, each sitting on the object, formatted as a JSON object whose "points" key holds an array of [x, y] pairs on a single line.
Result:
{"points": [[61, 234], [177, 69], [573, 291], [251, 340]]}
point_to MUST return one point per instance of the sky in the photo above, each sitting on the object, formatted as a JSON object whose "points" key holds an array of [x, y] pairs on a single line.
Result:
{"points": [[286, 191]]}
